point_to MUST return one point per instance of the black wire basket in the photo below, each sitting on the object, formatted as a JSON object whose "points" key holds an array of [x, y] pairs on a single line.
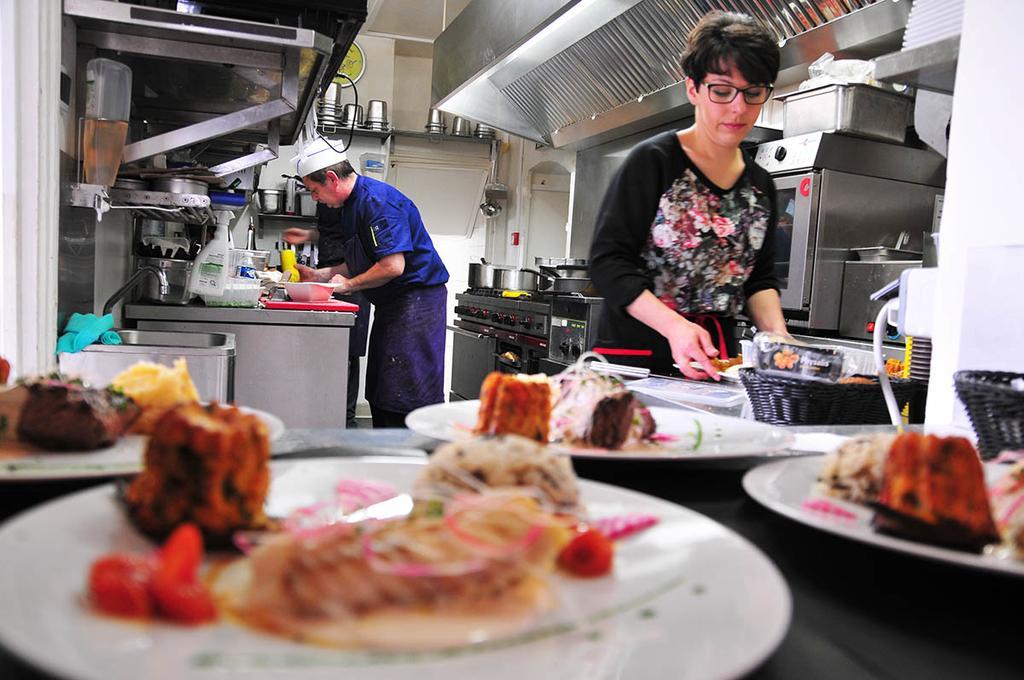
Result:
{"points": [[995, 407], [789, 401]]}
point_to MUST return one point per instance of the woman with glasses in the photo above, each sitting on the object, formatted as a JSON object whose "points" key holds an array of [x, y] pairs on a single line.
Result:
{"points": [[684, 239]]}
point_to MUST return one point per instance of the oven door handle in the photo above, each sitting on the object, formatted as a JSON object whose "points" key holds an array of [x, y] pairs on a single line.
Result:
{"points": [[460, 331]]}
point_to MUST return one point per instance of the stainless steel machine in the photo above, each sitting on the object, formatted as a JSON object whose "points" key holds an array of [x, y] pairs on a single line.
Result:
{"points": [[836, 194]]}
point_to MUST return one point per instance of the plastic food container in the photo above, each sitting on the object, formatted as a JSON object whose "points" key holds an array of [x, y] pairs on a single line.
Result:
{"points": [[239, 292]]}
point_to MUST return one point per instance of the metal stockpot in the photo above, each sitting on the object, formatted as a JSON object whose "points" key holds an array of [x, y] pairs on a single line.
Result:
{"points": [[518, 279], [482, 274]]}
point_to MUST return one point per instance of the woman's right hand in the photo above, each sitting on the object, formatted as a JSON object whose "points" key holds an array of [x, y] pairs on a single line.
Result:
{"points": [[691, 342], [298, 235]]}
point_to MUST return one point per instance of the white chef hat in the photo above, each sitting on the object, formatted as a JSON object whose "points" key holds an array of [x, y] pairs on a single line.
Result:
{"points": [[317, 155]]}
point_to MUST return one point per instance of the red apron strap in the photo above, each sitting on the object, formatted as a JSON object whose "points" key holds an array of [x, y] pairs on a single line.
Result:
{"points": [[702, 320]]}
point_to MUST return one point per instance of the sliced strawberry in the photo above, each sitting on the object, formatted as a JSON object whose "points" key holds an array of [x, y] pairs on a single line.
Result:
{"points": [[587, 554], [119, 585]]}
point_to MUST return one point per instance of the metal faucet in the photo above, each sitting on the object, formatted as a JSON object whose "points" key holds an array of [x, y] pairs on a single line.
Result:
{"points": [[161, 278]]}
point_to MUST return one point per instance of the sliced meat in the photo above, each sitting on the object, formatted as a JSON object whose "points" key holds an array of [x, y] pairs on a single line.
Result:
{"points": [[69, 416]]}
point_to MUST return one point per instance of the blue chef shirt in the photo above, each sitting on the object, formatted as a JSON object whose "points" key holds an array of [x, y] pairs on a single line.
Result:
{"points": [[387, 222]]}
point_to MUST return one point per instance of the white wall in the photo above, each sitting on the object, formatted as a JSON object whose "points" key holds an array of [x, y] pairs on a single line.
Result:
{"points": [[979, 304], [30, 140], [412, 93]]}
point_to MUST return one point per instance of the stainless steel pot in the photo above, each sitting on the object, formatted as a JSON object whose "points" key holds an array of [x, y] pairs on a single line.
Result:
{"points": [[574, 285], [518, 279], [271, 199], [461, 127], [352, 115], [177, 273], [483, 275], [435, 123], [376, 115]]}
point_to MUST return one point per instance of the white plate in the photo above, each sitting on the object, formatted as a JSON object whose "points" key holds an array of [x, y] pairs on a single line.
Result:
{"points": [[688, 599], [20, 462], [784, 485], [721, 437]]}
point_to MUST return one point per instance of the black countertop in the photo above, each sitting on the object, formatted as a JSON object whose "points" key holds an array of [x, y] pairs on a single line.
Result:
{"points": [[858, 611]]}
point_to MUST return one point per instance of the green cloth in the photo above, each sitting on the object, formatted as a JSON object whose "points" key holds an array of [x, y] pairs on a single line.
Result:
{"points": [[83, 330]]}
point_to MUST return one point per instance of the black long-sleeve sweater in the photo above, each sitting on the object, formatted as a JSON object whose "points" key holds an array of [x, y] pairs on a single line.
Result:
{"points": [[664, 227]]}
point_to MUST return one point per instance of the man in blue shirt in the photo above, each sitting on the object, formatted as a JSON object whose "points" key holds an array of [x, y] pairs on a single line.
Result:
{"points": [[389, 257]]}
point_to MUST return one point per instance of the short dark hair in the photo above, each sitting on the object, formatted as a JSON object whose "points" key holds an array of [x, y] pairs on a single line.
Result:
{"points": [[342, 170], [724, 39]]}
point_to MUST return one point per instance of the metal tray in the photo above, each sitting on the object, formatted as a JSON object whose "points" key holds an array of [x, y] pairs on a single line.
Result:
{"points": [[861, 110]]}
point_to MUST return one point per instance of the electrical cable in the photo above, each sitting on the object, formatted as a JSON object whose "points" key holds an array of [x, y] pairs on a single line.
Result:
{"points": [[352, 128], [883, 376]]}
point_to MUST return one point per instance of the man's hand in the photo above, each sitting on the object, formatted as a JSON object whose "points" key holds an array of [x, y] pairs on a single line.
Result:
{"points": [[342, 286], [298, 235], [309, 274]]}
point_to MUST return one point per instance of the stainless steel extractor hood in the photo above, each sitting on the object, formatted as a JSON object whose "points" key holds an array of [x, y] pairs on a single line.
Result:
{"points": [[202, 77], [574, 73]]}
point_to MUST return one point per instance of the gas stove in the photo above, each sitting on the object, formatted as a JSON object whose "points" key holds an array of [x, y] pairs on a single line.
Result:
{"points": [[527, 315]]}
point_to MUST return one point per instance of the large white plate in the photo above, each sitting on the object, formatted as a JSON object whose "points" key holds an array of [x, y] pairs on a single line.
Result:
{"points": [[720, 437], [688, 599], [23, 462], [783, 486]]}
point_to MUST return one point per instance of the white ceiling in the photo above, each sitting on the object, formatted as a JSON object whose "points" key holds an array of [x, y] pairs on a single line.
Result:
{"points": [[414, 24]]}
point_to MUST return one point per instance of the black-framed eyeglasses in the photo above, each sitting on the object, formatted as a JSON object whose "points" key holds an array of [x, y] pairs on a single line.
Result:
{"points": [[720, 93]]}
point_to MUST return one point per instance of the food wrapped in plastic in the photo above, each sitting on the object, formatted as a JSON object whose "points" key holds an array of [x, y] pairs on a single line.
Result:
{"points": [[785, 356]]}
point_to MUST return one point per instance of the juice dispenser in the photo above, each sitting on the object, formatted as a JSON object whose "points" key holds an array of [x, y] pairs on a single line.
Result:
{"points": [[108, 88]]}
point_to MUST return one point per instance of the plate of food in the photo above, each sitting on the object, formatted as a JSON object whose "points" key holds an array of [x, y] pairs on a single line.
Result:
{"points": [[922, 495], [590, 414], [490, 560], [59, 428]]}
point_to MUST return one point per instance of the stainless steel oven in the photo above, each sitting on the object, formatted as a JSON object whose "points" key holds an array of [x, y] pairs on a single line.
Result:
{"points": [[495, 333], [836, 193]]}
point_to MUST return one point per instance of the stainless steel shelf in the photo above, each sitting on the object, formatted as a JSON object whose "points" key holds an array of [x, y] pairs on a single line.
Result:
{"points": [[929, 67], [158, 205], [338, 132]]}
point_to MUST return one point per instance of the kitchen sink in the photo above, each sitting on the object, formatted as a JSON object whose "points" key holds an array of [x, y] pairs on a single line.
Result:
{"points": [[210, 358], [132, 338]]}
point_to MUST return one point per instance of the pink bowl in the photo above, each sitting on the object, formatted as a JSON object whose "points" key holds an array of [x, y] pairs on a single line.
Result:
{"points": [[308, 291]]}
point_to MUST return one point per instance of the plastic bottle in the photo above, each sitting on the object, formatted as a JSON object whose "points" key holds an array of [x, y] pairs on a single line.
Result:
{"points": [[210, 271], [108, 92]]}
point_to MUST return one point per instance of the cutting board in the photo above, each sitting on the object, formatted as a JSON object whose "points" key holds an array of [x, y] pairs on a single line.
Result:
{"points": [[326, 306]]}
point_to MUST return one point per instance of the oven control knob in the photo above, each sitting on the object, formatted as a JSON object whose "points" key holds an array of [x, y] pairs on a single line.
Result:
{"points": [[780, 153], [481, 313], [495, 317], [526, 322], [512, 320]]}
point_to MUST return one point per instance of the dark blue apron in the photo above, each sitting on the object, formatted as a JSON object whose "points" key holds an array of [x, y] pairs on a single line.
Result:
{"points": [[405, 358]]}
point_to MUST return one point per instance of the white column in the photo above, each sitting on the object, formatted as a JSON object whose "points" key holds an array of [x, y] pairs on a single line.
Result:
{"points": [[29, 181], [979, 308]]}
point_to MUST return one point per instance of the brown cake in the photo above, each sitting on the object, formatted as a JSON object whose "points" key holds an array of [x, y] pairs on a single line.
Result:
{"points": [[515, 404], [71, 417], [933, 490], [203, 464]]}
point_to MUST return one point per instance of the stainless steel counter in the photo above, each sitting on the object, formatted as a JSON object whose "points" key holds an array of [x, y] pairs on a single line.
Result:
{"points": [[201, 313], [291, 363]]}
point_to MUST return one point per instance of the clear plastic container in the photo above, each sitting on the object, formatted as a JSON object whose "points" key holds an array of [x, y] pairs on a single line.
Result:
{"points": [[108, 89], [108, 101], [239, 292]]}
